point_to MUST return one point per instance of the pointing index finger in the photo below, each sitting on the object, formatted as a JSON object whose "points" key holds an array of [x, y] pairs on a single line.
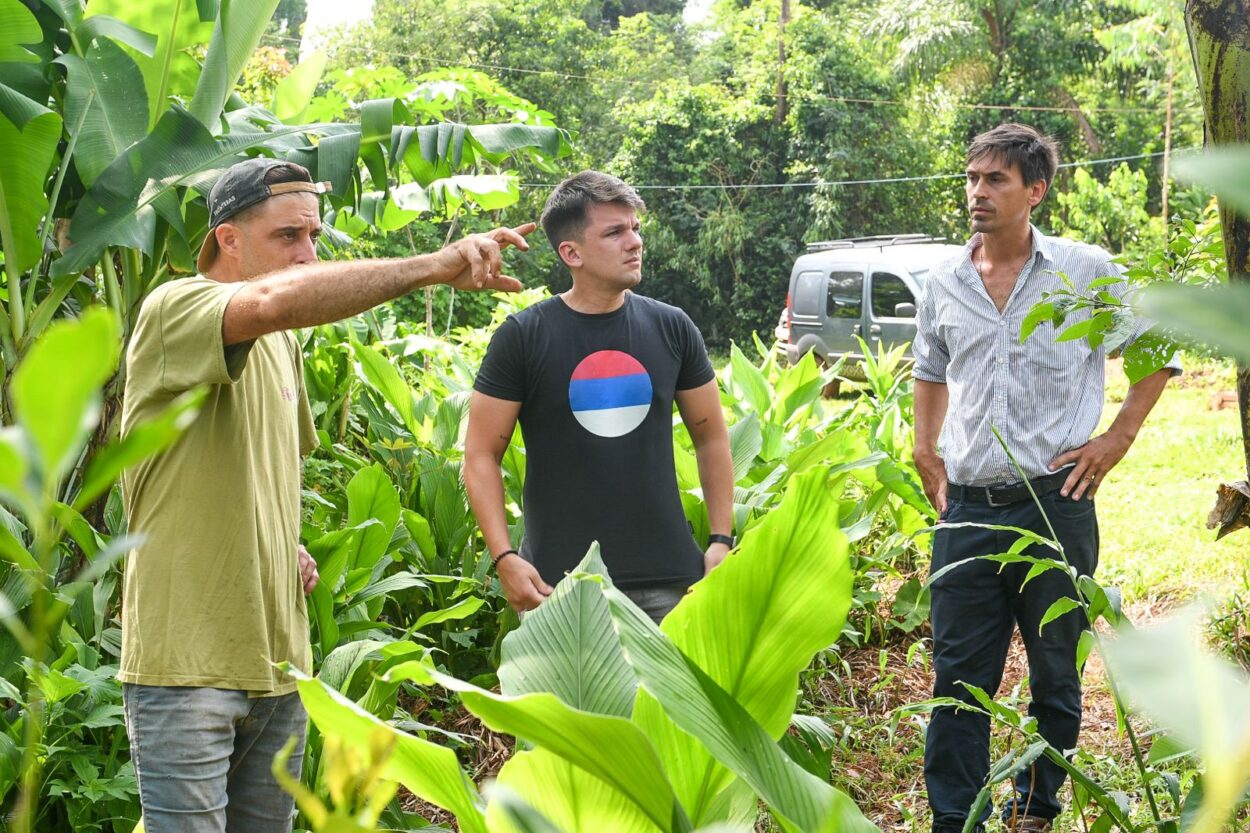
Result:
{"points": [[514, 236]]}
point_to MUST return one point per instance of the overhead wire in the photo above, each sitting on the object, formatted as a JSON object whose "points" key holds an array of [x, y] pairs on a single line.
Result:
{"points": [[729, 186], [443, 61], [836, 99]]}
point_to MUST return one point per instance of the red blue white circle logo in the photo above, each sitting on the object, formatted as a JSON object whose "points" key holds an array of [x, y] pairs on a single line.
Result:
{"points": [[610, 393]]}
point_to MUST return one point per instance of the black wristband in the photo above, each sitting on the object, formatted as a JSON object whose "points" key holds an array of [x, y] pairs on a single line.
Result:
{"points": [[727, 540], [494, 562]]}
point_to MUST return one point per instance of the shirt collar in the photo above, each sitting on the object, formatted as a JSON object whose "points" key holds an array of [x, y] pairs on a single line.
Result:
{"points": [[1041, 245]]}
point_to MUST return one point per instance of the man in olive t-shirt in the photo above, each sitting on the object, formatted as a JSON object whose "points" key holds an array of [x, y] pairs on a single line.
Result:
{"points": [[213, 597]]}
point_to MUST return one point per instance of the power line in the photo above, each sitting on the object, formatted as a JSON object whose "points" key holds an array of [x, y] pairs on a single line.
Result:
{"points": [[835, 99], [744, 186]]}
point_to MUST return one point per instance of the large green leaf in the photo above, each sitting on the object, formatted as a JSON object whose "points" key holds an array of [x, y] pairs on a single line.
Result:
{"points": [[236, 32], [568, 647], [434, 151], [56, 388], [11, 549], [15, 480], [379, 118], [572, 799], [17, 26], [489, 192], [104, 26], [610, 748], [745, 443], [506, 811], [383, 377], [28, 136], [800, 385], [102, 106], [293, 93], [509, 138], [120, 209], [707, 712], [171, 69], [371, 495], [748, 382], [462, 609], [1202, 701], [1215, 316], [426, 769], [333, 552], [1224, 170], [754, 623]]}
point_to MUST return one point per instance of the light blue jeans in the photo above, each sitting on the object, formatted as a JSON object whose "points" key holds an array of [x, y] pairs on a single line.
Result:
{"points": [[203, 758]]}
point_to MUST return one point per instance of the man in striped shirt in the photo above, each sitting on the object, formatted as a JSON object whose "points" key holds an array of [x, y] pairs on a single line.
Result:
{"points": [[1045, 398]]}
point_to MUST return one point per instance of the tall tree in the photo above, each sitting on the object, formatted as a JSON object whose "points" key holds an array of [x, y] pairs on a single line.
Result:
{"points": [[612, 11], [1219, 37]]}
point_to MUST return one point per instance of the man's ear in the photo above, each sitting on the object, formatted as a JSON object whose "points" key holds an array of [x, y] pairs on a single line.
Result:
{"points": [[229, 241], [1037, 192], [570, 254]]}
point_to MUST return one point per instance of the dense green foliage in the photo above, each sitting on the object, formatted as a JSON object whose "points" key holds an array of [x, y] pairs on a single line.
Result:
{"points": [[439, 118], [869, 90]]}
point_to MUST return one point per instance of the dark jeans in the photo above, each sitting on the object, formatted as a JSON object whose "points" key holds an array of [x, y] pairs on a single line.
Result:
{"points": [[975, 608], [657, 601]]}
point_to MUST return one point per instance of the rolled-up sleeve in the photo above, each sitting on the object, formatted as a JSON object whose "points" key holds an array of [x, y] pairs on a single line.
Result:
{"points": [[929, 349]]}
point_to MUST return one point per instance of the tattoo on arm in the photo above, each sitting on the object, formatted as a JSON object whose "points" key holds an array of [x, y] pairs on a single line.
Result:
{"points": [[700, 422]]}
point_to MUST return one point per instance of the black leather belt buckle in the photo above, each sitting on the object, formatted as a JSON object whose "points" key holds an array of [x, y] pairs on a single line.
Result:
{"points": [[1004, 495]]}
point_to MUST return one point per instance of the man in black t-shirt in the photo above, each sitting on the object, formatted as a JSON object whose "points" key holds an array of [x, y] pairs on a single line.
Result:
{"points": [[592, 375]]}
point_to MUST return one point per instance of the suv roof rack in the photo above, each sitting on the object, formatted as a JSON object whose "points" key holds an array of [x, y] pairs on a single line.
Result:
{"points": [[873, 242]]}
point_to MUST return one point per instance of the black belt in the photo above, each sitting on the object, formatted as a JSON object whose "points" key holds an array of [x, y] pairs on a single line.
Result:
{"points": [[1005, 493]]}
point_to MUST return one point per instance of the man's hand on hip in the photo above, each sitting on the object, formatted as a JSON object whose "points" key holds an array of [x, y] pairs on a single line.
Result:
{"points": [[932, 470], [307, 570], [522, 584], [714, 555], [1093, 460]]}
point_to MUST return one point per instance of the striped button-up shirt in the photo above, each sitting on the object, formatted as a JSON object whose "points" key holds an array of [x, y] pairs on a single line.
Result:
{"points": [[1044, 397]]}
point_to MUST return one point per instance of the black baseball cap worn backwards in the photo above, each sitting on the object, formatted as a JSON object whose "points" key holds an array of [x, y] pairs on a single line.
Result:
{"points": [[242, 186]]}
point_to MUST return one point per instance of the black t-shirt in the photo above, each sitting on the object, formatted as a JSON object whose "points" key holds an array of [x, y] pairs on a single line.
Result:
{"points": [[597, 418]]}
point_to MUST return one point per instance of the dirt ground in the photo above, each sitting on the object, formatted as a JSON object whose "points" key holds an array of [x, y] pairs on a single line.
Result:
{"points": [[886, 776], [883, 774]]}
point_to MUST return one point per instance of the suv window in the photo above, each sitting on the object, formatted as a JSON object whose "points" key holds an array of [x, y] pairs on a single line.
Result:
{"points": [[846, 291], [807, 291], [887, 291]]}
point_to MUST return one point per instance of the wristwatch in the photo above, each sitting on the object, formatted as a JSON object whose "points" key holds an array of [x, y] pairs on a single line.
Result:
{"points": [[727, 540]]}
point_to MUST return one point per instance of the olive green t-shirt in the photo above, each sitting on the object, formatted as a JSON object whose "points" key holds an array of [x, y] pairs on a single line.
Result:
{"points": [[212, 596]]}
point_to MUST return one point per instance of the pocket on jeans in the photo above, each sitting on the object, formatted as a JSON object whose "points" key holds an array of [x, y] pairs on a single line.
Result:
{"points": [[951, 505], [1066, 507]]}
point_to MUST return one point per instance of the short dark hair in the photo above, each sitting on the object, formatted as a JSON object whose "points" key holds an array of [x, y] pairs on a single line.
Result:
{"points": [[1036, 155], [565, 214]]}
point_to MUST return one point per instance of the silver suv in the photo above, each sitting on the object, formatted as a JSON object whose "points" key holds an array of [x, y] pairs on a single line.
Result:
{"points": [[863, 286]]}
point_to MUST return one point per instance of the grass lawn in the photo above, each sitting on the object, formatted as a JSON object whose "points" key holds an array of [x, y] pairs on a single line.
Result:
{"points": [[1153, 507], [1155, 547]]}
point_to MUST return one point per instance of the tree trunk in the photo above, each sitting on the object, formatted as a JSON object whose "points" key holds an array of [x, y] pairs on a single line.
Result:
{"points": [[779, 114], [1219, 37]]}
